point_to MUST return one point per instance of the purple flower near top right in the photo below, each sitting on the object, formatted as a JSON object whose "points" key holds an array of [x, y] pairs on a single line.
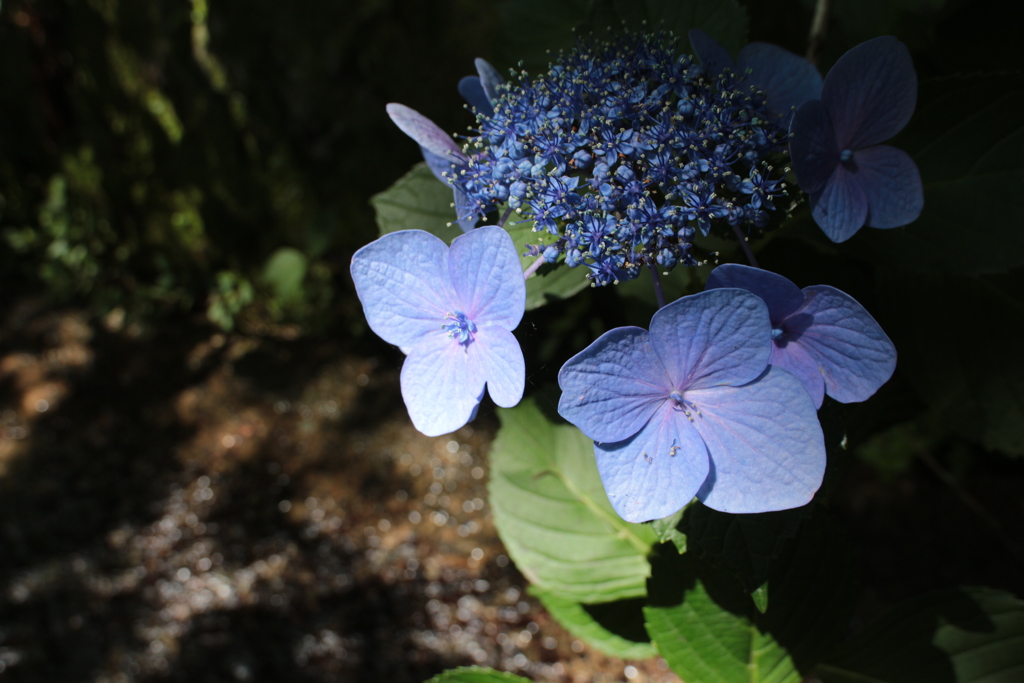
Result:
{"points": [[819, 333], [867, 97]]}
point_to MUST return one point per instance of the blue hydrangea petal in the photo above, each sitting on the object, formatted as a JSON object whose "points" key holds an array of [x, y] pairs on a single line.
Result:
{"points": [[713, 57], [424, 131], [871, 92], [854, 355], [487, 277], [787, 79], [812, 146], [657, 471], [841, 208], [402, 281], [440, 388], [490, 79], [720, 336], [496, 355], [892, 183], [473, 92], [614, 386], [765, 442], [795, 359], [781, 295]]}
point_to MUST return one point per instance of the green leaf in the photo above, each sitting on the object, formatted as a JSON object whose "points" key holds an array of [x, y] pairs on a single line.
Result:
{"points": [[667, 529], [284, 272], [554, 517], [760, 597], [705, 624], [701, 641], [965, 635], [967, 138], [615, 628], [417, 201], [975, 387], [476, 674]]}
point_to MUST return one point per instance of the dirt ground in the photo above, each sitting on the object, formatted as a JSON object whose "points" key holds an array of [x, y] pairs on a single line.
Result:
{"points": [[178, 504], [184, 505]]}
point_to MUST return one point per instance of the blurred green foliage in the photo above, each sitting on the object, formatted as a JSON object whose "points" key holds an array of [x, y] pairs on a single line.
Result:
{"points": [[212, 155]]}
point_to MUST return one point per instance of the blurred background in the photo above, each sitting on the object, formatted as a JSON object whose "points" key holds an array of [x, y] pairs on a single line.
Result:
{"points": [[206, 471]]}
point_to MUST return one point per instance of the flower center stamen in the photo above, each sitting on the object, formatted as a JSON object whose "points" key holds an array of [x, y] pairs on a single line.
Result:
{"points": [[778, 333], [846, 156], [684, 405], [459, 327]]}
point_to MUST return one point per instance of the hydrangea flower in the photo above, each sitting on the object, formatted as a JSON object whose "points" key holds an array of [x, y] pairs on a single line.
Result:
{"points": [[787, 79], [452, 312], [622, 152], [820, 334], [693, 408], [867, 97]]}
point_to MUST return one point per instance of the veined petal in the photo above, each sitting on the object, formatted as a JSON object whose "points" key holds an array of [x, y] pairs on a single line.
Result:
{"points": [[765, 443], [496, 355], [812, 146], [892, 184], [853, 354], [781, 295], [402, 281], [440, 389], [795, 360], [424, 131], [787, 79], [490, 79], [841, 207], [720, 336], [713, 57], [473, 92], [612, 388], [487, 277], [657, 471], [871, 92]]}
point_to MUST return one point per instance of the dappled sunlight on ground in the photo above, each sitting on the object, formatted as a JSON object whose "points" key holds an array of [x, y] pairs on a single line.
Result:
{"points": [[181, 505]]}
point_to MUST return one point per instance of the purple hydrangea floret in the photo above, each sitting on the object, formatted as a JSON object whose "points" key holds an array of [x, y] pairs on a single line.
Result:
{"points": [[868, 96], [452, 312], [481, 91], [693, 408], [820, 334], [787, 79]]}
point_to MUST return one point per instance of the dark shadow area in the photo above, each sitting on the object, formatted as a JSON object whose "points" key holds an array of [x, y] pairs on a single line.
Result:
{"points": [[624, 618], [110, 431]]}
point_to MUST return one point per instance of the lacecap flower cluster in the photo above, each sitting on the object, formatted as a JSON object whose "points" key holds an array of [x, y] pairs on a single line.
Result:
{"points": [[622, 153]]}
